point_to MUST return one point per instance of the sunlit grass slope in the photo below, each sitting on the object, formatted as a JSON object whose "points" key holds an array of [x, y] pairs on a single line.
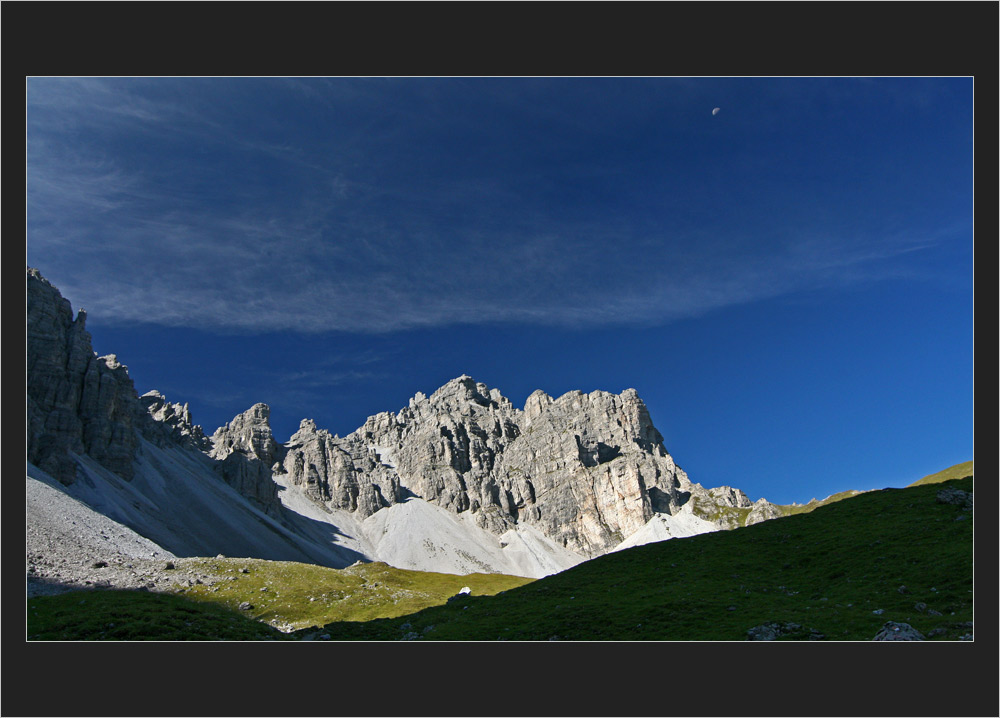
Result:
{"points": [[842, 571], [792, 509], [958, 471], [280, 593], [301, 595]]}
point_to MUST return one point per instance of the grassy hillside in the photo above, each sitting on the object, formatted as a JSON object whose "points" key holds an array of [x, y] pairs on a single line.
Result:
{"points": [[958, 471], [841, 571], [299, 595], [792, 509], [281, 594], [137, 616]]}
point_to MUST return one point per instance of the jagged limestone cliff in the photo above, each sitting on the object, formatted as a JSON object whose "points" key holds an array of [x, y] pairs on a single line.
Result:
{"points": [[585, 470], [76, 401], [172, 423], [246, 451], [86, 404]]}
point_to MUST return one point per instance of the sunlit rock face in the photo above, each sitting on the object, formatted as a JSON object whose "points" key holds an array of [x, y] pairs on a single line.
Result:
{"points": [[588, 470], [246, 451]]}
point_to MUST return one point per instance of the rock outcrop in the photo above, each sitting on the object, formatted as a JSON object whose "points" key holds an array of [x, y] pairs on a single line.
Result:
{"points": [[76, 401], [587, 470], [84, 404], [893, 631], [728, 496], [774, 630], [171, 423], [341, 473], [762, 510], [965, 499], [247, 453]]}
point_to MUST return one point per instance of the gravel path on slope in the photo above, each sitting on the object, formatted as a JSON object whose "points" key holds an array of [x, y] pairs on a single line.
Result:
{"points": [[70, 546]]}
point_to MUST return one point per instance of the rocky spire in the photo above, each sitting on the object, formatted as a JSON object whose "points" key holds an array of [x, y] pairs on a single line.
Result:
{"points": [[247, 453], [76, 401], [248, 433], [173, 422]]}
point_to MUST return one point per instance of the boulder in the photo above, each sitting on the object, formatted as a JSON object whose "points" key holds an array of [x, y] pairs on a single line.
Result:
{"points": [[894, 631], [956, 497], [771, 631]]}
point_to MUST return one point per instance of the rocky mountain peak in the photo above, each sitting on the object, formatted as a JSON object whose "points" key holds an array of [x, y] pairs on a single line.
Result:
{"points": [[307, 428], [416, 399], [307, 425], [76, 401], [537, 398], [172, 423], [248, 433], [248, 455], [464, 390], [585, 469]]}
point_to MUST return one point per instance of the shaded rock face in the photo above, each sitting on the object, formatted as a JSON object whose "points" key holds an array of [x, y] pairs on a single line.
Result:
{"points": [[587, 470], [247, 452], [76, 401], [172, 423], [85, 404]]}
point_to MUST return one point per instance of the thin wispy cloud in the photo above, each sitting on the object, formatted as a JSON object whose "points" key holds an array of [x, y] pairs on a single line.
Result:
{"points": [[785, 274], [166, 204]]}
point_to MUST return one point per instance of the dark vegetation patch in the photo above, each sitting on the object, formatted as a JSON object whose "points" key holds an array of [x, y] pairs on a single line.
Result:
{"points": [[105, 615], [836, 570]]}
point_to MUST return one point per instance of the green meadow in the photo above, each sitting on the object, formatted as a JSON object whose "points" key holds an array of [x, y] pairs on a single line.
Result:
{"points": [[839, 571]]}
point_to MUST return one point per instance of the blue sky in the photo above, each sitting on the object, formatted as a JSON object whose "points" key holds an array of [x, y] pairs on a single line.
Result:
{"points": [[787, 283]]}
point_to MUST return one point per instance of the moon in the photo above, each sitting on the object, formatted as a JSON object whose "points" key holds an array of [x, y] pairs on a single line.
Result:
{"points": [[716, 110]]}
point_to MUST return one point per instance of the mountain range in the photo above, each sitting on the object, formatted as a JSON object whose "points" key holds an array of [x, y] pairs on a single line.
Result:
{"points": [[459, 481]]}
